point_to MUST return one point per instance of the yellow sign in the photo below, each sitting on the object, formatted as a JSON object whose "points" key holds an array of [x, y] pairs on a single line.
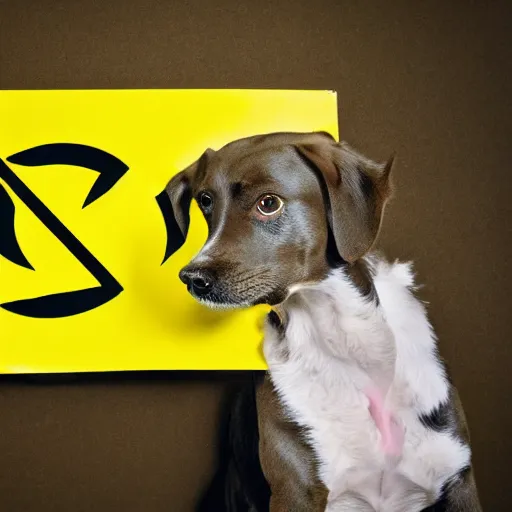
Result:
{"points": [[83, 285]]}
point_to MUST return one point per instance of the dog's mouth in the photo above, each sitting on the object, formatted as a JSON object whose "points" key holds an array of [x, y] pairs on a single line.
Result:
{"points": [[225, 301], [221, 297], [216, 300]]}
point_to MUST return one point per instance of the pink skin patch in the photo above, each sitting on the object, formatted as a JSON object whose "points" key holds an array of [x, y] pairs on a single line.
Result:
{"points": [[392, 433]]}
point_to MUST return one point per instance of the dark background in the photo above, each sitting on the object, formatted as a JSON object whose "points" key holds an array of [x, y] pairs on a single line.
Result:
{"points": [[429, 80]]}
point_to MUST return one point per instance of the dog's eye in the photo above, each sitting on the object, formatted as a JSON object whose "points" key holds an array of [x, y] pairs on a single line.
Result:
{"points": [[206, 202], [269, 205]]}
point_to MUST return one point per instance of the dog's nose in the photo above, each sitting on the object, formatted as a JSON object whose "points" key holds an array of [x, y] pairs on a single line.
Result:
{"points": [[200, 282]]}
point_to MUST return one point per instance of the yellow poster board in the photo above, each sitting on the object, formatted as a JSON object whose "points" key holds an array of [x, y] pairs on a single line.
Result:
{"points": [[82, 236]]}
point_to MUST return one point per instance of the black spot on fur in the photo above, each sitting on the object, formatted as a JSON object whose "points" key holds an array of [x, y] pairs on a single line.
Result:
{"points": [[274, 320], [444, 503], [439, 419]]}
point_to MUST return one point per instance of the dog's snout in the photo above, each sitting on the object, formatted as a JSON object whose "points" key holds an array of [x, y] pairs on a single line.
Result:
{"points": [[199, 282]]}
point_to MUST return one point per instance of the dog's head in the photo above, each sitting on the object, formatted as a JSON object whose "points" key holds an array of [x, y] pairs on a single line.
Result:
{"points": [[281, 210]]}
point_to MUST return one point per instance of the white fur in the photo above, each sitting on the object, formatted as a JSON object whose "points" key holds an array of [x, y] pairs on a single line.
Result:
{"points": [[336, 344]]}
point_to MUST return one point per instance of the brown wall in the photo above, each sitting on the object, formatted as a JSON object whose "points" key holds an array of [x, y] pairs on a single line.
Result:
{"points": [[430, 80]]}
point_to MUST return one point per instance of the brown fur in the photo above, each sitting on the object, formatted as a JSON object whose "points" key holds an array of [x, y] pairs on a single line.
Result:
{"points": [[286, 458], [462, 496]]}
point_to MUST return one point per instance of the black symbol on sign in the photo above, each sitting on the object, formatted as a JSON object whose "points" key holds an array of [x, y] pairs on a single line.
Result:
{"points": [[110, 170], [175, 238]]}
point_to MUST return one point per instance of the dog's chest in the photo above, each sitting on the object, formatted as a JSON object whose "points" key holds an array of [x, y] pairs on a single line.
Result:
{"points": [[348, 444], [322, 371]]}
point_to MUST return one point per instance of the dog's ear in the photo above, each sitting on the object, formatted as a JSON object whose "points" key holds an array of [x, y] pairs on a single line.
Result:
{"points": [[356, 191], [174, 203], [179, 190]]}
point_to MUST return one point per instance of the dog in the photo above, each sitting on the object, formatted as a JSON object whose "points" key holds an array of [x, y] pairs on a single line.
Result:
{"points": [[356, 411]]}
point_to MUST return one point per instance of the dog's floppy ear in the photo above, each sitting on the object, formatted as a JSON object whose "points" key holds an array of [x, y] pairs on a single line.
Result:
{"points": [[174, 203], [179, 190], [180, 195], [357, 190]]}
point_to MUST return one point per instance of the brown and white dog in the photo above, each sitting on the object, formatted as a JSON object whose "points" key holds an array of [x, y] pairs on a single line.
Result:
{"points": [[356, 412]]}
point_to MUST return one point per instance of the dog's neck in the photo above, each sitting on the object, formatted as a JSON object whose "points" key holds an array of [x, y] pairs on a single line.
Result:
{"points": [[378, 338], [341, 318]]}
